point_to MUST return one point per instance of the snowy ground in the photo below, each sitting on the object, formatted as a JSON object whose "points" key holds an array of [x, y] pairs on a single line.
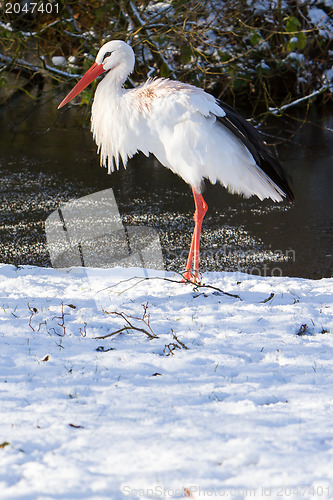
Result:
{"points": [[233, 398]]}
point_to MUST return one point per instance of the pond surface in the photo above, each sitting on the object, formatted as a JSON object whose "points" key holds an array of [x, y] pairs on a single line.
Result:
{"points": [[47, 159]]}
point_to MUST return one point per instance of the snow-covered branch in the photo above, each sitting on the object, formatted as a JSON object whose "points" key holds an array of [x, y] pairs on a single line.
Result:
{"points": [[301, 99], [157, 48], [19, 64]]}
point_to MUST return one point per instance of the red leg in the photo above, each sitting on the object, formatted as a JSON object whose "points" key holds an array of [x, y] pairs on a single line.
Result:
{"points": [[192, 270]]}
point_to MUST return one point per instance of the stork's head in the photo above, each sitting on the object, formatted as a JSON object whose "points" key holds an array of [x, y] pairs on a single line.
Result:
{"points": [[115, 56]]}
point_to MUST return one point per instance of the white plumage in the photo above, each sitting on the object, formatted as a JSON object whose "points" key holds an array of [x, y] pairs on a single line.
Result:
{"points": [[185, 128]]}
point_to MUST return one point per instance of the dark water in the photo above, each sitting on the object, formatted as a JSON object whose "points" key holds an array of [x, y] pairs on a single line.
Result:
{"points": [[47, 159]]}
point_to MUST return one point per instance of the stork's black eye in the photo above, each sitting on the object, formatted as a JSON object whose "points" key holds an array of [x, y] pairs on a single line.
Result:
{"points": [[107, 54]]}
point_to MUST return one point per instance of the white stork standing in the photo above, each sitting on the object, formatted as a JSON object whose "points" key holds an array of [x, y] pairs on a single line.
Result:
{"points": [[187, 130]]}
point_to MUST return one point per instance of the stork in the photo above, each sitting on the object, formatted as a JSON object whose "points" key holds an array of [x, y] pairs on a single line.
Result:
{"points": [[188, 130]]}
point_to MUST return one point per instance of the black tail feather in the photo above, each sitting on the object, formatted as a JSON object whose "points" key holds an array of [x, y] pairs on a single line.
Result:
{"points": [[253, 140]]}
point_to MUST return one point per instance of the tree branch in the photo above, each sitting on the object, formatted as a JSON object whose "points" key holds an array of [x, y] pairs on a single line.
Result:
{"points": [[301, 99]]}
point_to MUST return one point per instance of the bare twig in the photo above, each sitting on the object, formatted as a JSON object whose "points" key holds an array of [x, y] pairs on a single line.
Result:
{"points": [[62, 318], [267, 299], [182, 281], [34, 311], [202, 285], [170, 348], [177, 340], [84, 332], [129, 324]]}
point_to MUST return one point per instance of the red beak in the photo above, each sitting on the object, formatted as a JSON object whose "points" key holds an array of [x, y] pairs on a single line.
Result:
{"points": [[88, 77]]}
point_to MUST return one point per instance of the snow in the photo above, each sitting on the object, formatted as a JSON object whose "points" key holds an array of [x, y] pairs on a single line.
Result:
{"points": [[228, 395], [59, 61], [322, 20], [264, 65], [295, 55], [223, 390], [328, 77]]}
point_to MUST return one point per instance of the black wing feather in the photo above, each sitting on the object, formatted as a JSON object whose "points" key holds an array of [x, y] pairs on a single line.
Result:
{"points": [[254, 142]]}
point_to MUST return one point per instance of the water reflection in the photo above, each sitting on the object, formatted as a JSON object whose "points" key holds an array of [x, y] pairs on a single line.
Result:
{"points": [[47, 159]]}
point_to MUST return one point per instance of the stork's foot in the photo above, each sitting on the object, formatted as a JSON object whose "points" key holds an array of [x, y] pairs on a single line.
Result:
{"points": [[190, 276]]}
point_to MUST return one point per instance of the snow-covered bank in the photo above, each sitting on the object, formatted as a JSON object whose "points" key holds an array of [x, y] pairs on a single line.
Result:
{"points": [[232, 398]]}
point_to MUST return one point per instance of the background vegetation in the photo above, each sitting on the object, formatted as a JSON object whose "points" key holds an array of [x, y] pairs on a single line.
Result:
{"points": [[269, 54]]}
